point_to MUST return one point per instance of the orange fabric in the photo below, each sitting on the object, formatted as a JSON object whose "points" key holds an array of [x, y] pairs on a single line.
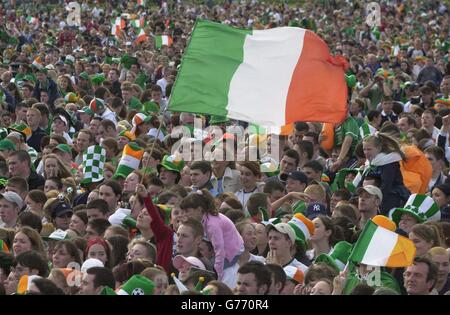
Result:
{"points": [[318, 91], [286, 130], [403, 253], [416, 170], [327, 134]]}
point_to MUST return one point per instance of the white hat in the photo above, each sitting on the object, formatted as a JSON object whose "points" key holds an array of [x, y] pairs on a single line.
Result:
{"points": [[91, 262], [194, 261]]}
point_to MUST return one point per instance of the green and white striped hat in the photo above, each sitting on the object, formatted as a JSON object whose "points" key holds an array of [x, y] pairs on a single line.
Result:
{"points": [[93, 164], [421, 207]]}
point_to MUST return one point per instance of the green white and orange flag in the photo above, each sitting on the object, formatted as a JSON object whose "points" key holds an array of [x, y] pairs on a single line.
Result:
{"points": [[142, 37], [163, 40], [130, 161], [32, 20], [118, 24], [378, 246], [268, 77], [141, 2], [138, 23]]}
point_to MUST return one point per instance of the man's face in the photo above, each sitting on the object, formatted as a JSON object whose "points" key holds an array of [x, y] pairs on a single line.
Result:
{"points": [[8, 211], [44, 97], [247, 285], [33, 119], [26, 92], [293, 185], [93, 125], [312, 174], [298, 136], [387, 106], [16, 167], [442, 262], [106, 193], [198, 178], [403, 124], [278, 242], [21, 114], [187, 243], [126, 95], [435, 164], [167, 177], [41, 76], [112, 75], [427, 120], [287, 165], [94, 213], [367, 202], [83, 141], [87, 285], [156, 95], [415, 278], [58, 126]]}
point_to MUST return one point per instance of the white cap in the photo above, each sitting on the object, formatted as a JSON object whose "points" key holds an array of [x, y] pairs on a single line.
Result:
{"points": [[91, 262]]}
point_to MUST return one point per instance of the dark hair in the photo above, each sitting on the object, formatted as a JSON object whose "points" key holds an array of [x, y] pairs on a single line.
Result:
{"points": [[102, 277], [362, 289], [108, 124], [119, 249], [273, 185], [301, 126], [336, 234], [233, 203], [99, 204], [308, 147], [437, 152], [318, 271], [432, 268], [125, 271], [115, 186], [164, 197], [57, 181], [71, 248], [82, 215], [28, 218], [203, 166], [99, 225], [261, 272], [33, 260], [315, 165], [19, 182], [47, 287], [256, 201], [235, 215], [6, 262], [37, 196], [343, 193], [279, 276], [202, 199], [293, 154], [222, 288], [371, 115]]}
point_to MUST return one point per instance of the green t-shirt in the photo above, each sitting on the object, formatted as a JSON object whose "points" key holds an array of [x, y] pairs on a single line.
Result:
{"points": [[386, 279], [348, 128]]}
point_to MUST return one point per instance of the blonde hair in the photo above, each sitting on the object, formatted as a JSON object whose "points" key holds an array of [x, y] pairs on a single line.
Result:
{"points": [[386, 143], [438, 251], [316, 193], [64, 171]]}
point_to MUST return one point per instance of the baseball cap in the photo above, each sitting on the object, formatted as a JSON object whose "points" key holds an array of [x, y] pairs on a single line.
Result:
{"points": [[61, 208], [371, 189], [86, 110], [64, 120], [283, 228], [314, 209], [194, 261], [298, 175], [12, 197], [91, 262], [64, 148]]}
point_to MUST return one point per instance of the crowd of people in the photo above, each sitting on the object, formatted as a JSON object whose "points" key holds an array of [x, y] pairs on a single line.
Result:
{"points": [[98, 197]]}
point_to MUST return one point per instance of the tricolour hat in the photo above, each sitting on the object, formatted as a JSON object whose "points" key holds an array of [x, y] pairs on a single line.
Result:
{"points": [[421, 207], [130, 160], [140, 118], [71, 97], [193, 261], [338, 258], [127, 134], [23, 129], [172, 163], [295, 274], [137, 285], [371, 189], [302, 226], [93, 164], [12, 197], [283, 228], [97, 104]]}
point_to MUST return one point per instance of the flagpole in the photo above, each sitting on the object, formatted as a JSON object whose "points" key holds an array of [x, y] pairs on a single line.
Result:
{"points": [[154, 142]]}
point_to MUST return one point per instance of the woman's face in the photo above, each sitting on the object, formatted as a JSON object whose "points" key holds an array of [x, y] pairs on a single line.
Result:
{"points": [[136, 252], [143, 219], [63, 83], [77, 224], [130, 183], [175, 218], [205, 250], [21, 243], [320, 232], [249, 237], [422, 246], [370, 150], [97, 251], [439, 197], [321, 288], [51, 167], [36, 207], [161, 283], [407, 222], [248, 179], [261, 235], [50, 185], [61, 257]]}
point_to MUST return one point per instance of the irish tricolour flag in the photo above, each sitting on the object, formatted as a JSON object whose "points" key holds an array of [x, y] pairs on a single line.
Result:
{"points": [[131, 158], [269, 77], [163, 40], [32, 20], [377, 246]]}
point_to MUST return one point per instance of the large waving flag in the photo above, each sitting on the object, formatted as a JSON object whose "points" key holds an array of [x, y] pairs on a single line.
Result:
{"points": [[163, 40], [269, 77], [378, 246]]}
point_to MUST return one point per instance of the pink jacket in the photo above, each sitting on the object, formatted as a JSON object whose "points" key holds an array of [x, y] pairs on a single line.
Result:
{"points": [[225, 239]]}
